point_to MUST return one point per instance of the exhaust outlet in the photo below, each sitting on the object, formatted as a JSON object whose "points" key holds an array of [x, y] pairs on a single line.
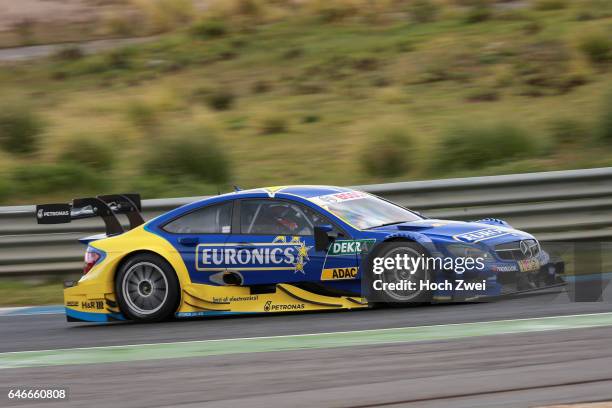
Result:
{"points": [[232, 278], [228, 278]]}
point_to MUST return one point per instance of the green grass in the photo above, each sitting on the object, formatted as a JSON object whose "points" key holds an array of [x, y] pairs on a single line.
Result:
{"points": [[425, 77], [14, 292]]}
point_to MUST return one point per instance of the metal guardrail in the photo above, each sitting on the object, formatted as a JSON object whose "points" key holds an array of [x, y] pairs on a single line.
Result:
{"points": [[559, 205]]}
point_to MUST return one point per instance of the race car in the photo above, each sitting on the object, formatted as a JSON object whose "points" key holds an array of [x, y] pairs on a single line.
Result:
{"points": [[284, 249]]}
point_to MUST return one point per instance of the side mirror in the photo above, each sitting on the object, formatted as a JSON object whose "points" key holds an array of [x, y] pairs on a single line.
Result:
{"points": [[321, 236]]}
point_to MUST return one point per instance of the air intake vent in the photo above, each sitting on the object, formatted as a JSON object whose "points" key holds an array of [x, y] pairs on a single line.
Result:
{"points": [[518, 250]]}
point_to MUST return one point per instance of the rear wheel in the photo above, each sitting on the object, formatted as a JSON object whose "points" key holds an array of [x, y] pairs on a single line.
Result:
{"points": [[147, 288]]}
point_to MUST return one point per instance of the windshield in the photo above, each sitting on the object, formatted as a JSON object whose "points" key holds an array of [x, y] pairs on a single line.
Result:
{"points": [[362, 210]]}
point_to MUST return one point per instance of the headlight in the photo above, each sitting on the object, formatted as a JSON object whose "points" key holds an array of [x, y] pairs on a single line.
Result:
{"points": [[465, 251]]}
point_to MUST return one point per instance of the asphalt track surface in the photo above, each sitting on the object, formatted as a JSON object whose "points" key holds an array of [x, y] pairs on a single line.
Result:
{"points": [[505, 370]]}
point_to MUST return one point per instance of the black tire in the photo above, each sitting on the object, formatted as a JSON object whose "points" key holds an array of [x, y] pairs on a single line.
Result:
{"points": [[390, 298], [147, 288]]}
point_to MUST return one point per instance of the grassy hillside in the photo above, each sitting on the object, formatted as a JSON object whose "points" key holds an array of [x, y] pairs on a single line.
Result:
{"points": [[337, 92]]}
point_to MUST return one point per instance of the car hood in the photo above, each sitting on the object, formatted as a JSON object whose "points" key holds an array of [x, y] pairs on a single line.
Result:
{"points": [[459, 231]]}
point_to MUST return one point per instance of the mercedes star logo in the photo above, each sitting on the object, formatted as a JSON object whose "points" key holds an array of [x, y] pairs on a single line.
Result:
{"points": [[526, 249]]}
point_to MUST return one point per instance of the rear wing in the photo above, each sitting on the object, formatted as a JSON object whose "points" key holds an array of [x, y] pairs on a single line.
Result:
{"points": [[105, 206]]}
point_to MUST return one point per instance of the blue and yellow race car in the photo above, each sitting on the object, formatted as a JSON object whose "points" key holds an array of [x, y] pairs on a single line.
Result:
{"points": [[283, 249]]}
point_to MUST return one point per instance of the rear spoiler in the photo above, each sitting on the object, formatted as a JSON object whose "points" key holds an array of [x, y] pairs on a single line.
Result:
{"points": [[105, 206]]}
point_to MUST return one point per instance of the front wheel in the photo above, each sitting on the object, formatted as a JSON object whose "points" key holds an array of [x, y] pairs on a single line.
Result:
{"points": [[396, 297], [147, 288]]}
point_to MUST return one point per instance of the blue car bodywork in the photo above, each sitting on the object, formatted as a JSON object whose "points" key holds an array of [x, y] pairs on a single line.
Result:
{"points": [[259, 259]]}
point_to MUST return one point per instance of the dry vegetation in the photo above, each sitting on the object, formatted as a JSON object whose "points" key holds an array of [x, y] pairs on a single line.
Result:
{"points": [[255, 92]]}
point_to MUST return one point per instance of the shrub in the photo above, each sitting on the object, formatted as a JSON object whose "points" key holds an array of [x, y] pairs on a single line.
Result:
{"points": [[292, 53], [594, 9], [474, 147], [89, 151], [597, 47], [390, 154], [404, 45], [380, 81], [165, 15], [94, 64], [393, 95], [124, 24], [260, 87], [192, 152], [25, 30], [461, 65], [423, 11], [143, 116], [366, 63], [532, 27], [5, 189], [543, 69], [483, 95], [333, 11], [121, 58], [220, 100], [567, 130], [248, 7], [311, 118], [70, 53], [479, 12], [20, 129], [209, 28], [605, 120], [549, 5], [236, 122], [308, 87], [50, 178], [273, 123]]}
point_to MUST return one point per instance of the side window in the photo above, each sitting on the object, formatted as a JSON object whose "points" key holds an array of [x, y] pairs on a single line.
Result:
{"points": [[276, 217], [214, 219], [316, 218]]}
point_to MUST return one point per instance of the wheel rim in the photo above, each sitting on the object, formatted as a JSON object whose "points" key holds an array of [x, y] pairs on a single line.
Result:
{"points": [[145, 288], [396, 275]]}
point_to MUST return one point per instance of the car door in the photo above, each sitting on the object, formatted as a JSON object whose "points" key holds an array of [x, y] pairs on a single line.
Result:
{"points": [[200, 236], [275, 243]]}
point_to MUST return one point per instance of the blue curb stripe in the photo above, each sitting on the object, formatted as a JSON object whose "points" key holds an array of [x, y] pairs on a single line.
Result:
{"points": [[31, 310]]}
